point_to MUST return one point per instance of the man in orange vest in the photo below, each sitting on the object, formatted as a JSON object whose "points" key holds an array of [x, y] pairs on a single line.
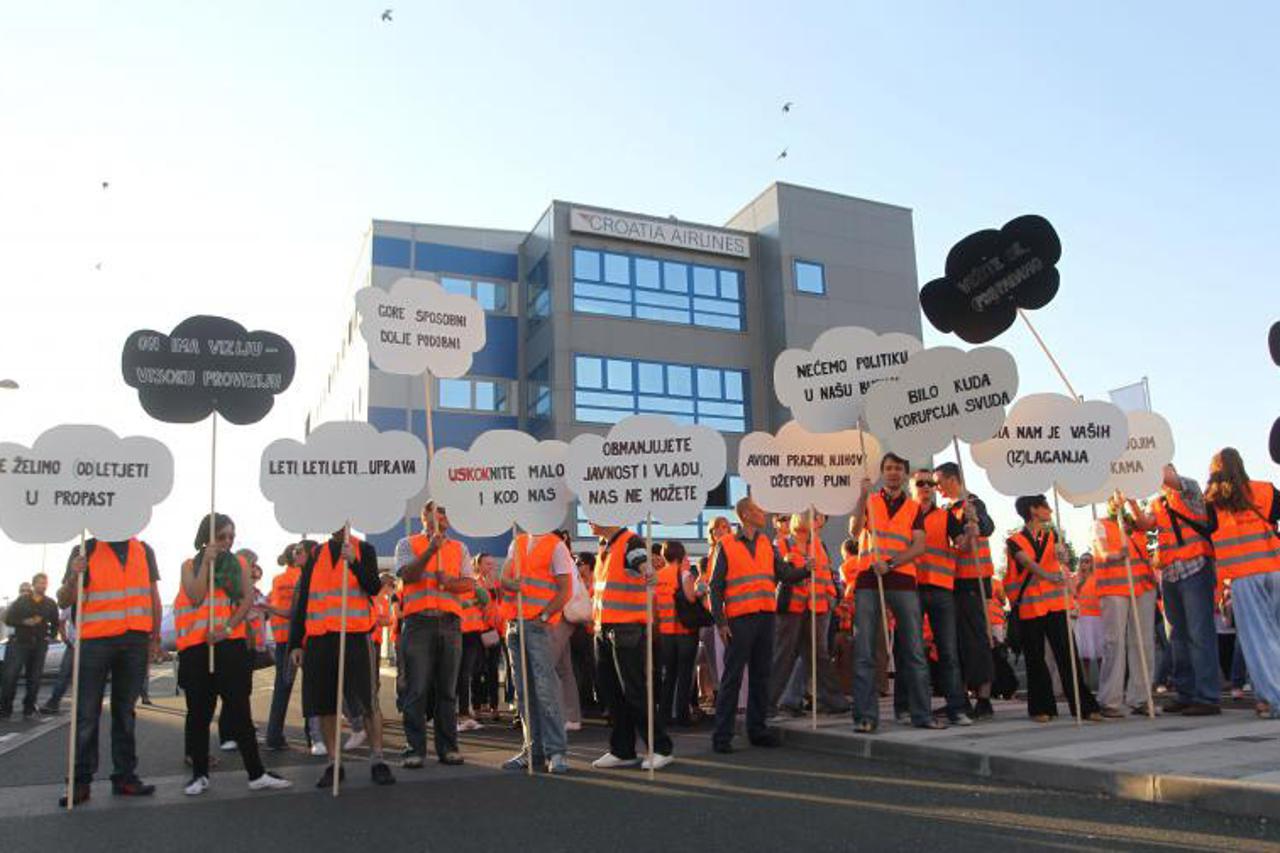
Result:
{"points": [[343, 561], [1126, 636], [1187, 580], [623, 577], [119, 625], [890, 528], [436, 571], [744, 582]]}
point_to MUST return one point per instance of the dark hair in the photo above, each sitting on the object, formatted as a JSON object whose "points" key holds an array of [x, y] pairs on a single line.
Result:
{"points": [[656, 548], [286, 556], [586, 557], [673, 551], [202, 532], [893, 457], [849, 547], [1026, 503], [39, 575], [1228, 486], [948, 469], [566, 538]]}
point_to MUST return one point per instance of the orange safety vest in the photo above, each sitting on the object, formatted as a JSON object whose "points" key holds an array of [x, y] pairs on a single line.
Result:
{"points": [[472, 616], [667, 589], [1040, 597], [1168, 547], [191, 621], [281, 598], [749, 581], [117, 598], [796, 555], [1109, 562], [937, 565], [968, 564], [892, 534], [382, 615], [537, 576], [1087, 597], [324, 597], [996, 603], [1245, 542], [425, 594], [620, 597]]}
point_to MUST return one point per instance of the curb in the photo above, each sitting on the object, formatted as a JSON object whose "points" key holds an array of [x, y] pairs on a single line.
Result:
{"points": [[1228, 796]]}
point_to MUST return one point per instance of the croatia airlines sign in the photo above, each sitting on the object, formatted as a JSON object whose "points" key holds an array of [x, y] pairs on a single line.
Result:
{"points": [[658, 231]]}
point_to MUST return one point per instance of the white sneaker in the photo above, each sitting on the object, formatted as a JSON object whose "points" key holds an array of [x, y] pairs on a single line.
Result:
{"points": [[268, 781], [318, 749], [469, 724], [659, 761], [962, 719], [356, 740], [608, 761], [227, 746], [571, 726], [197, 786]]}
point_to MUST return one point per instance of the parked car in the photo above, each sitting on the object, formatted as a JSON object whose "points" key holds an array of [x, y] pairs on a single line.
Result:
{"points": [[52, 660]]}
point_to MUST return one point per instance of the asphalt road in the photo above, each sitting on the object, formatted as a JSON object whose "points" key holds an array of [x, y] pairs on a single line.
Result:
{"points": [[753, 799]]}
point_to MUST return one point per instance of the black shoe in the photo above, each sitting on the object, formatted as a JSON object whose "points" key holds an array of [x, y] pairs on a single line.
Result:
{"points": [[452, 759], [131, 787], [276, 746], [381, 774], [723, 748], [146, 700], [50, 710], [769, 741], [79, 794], [326, 778], [1200, 709], [983, 710], [1175, 706], [406, 752], [32, 715]]}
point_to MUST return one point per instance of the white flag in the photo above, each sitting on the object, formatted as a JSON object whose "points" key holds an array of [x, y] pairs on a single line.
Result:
{"points": [[1132, 398]]}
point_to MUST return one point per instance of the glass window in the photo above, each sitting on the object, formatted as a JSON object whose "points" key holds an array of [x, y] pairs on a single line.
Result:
{"points": [[457, 286], [586, 264], [675, 277], [486, 397], [704, 281], [589, 372], [810, 278], [650, 378], [729, 285], [648, 273], [617, 268], [733, 385], [680, 381], [709, 384], [619, 375], [455, 393], [667, 389]]}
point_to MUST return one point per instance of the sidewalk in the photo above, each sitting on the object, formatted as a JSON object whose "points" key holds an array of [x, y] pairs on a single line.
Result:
{"points": [[1229, 763]]}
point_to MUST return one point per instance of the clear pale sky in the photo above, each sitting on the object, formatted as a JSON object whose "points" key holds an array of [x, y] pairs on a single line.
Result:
{"points": [[247, 146]]}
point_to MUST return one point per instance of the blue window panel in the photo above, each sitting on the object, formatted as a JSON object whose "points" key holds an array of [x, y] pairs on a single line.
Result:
{"points": [[499, 356], [604, 400], [711, 407], [651, 378], [675, 277], [667, 315], [455, 393], [617, 268], [724, 424], [434, 257], [600, 416], [456, 286], [704, 281], [648, 273], [489, 398], [732, 385], [810, 277], [492, 297], [586, 264], [664, 300], [391, 252], [709, 384], [542, 304], [679, 380], [666, 404], [595, 306], [716, 306], [717, 321], [590, 372], [683, 419], [729, 285], [619, 374], [621, 295]]}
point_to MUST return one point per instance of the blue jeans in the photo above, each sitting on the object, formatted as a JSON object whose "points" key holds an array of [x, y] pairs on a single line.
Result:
{"points": [[1257, 610], [908, 653], [544, 718], [280, 693], [940, 606], [63, 681], [1188, 605], [124, 659]]}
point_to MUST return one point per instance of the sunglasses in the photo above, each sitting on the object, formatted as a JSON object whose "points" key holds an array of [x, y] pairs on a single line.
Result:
{"points": [[925, 484]]}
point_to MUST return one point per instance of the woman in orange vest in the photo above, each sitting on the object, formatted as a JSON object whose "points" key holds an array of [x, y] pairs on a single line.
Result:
{"points": [[1243, 516], [1122, 629], [1035, 576], [474, 602], [280, 604], [232, 676], [1089, 620], [677, 643]]}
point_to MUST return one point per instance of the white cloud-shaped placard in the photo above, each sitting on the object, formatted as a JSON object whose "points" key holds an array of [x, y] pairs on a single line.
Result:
{"points": [[646, 464], [417, 326], [943, 392], [1051, 438], [825, 386], [507, 477], [79, 476], [1139, 471], [797, 469], [346, 471]]}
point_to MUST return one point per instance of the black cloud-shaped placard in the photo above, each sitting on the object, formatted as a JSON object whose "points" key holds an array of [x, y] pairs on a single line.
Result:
{"points": [[1275, 442], [1273, 341], [207, 364], [990, 274]]}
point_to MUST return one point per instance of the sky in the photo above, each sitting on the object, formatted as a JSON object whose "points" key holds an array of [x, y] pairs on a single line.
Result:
{"points": [[247, 146]]}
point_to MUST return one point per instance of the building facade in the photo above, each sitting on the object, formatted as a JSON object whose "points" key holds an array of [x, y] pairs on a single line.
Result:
{"points": [[596, 314]]}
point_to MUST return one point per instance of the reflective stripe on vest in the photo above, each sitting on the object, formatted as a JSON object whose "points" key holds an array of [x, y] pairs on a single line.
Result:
{"points": [[1040, 597], [1193, 544], [425, 594], [668, 587], [890, 535], [1087, 597], [324, 597], [969, 564], [281, 598], [750, 581], [191, 622], [537, 576], [937, 565], [796, 554], [1245, 543], [472, 615], [1109, 562], [619, 595], [117, 598]]}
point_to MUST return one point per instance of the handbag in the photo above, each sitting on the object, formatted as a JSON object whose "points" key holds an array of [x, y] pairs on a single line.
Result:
{"points": [[691, 614], [578, 609], [490, 638]]}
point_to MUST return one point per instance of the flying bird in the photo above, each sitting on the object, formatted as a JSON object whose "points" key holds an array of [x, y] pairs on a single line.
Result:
{"points": [[386, 14], [786, 108], [783, 155], [106, 184]]}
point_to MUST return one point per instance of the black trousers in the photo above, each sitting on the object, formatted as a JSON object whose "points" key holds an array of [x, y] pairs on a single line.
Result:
{"points": [[1051, 628], [472, 649], [28, 656], [620, 669], [751, 646], [484, 680], [678, 653], [231, 681]]}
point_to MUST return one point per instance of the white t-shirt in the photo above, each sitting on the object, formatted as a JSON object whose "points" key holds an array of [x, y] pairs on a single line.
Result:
{"points": [[405, 556], [561, 559]]}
